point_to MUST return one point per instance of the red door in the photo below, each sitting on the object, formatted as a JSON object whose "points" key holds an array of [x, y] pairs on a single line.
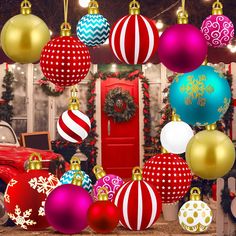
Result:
{"points": [[120, 141]]}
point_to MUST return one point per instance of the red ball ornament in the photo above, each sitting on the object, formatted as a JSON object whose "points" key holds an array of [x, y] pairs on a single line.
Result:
{"points": [[103, 215], [139, 203], [170, 174], [134, 38], [65, 61], [26, 194]]}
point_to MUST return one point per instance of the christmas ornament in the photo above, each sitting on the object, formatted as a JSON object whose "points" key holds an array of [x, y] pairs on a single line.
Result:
{"points": [[217, 29], [74, 168], [93, 29], [67, 206], [25, 195], [111, 182], [24, 36], [73, 125], [210, 154], [65, 60], [139, 203], [173, 129], [200, 97], [195, 216], [170, 174], [182, 47], [134, 38], [103, 215]]}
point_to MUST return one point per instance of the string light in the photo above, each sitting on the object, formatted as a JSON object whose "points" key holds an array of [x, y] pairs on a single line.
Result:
{"points": [[84, 3], [159, 24], [51, 33], [232, 46]]}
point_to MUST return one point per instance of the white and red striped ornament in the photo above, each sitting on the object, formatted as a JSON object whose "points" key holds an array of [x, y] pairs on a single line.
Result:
{"points": [[139, 203], [134, 38]]}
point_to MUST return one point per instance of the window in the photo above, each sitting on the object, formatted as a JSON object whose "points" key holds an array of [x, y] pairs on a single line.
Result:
{"points": [[6, 135]]}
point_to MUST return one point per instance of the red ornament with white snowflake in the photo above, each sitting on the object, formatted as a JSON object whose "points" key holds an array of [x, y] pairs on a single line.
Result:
{"points": [[134, 38], [25, 195], [170, 174]]}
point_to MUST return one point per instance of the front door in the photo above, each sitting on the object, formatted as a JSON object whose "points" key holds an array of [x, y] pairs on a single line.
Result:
{"points": [[120, 140]]}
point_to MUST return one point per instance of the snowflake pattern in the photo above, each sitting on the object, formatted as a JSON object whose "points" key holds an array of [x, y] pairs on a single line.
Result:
{"points": [[22, 220], [224, 107], [12, 182], [44, 184], [41, 211], [7, 197]]}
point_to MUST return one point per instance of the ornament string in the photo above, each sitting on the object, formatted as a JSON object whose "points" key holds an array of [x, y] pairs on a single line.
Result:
{"points": [[65, 10], [183, 6]]}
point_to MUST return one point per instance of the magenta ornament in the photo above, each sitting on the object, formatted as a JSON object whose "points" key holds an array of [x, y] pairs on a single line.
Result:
{"points": [[218, 30], [182, 48], [66, 208]]}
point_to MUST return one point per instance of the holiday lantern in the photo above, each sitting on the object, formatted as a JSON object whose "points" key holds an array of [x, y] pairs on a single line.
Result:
{"points": [[173, 129], [195, 216], [74, 168], [217, 29], [111, 182], [139, 203], [210, 154], [182, 47], [134, 38], [67, 207], [103, 215], [24, 36], [73, 125], [93, 29], [26, 194], [170, 174], [200, 97]]}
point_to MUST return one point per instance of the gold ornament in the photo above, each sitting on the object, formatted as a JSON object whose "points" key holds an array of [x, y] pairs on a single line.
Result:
{"points": [[24, 36], [210, 154], [195, 216]]}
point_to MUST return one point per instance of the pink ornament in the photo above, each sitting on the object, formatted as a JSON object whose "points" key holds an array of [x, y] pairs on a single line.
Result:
{"points": [[218, 30], [182, 48], [66, 208], [111, 182]]}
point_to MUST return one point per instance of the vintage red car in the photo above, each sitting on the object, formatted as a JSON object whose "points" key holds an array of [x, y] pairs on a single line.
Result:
{"points": [[14, 158]]}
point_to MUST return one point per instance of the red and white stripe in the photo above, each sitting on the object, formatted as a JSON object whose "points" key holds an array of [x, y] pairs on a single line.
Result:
{"points": [[134, 39], [139, 204], [73, 126]]}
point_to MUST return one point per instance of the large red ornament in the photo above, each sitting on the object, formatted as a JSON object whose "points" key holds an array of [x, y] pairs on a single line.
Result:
{"points": [[134, 38], [139, 203], [170, 174], [65, 61], [25, 197]]}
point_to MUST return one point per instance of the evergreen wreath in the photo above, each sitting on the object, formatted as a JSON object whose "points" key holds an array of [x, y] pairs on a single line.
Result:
{"points": [[119, 105]]}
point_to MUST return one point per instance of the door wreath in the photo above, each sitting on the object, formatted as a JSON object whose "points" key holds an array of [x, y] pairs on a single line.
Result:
{"points": [[119, 105]]}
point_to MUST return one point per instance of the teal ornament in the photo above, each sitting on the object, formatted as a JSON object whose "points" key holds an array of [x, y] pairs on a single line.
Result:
{"points": [[93, 29], [200, 97]]}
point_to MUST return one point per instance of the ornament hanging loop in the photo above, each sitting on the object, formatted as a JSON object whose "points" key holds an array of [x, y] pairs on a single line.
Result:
{"points": [[103, 194], [217, 8], [25, 7], [74, 101], [35, 161], [182, 17], [211, 127], [137, 173], [195, 194], [93, 7], [75, 163], [134, 8], [175, 117], [65, 27]]}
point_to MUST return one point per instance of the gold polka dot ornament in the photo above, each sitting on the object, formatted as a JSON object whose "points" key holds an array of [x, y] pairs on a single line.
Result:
{"points": [[195, 216]]}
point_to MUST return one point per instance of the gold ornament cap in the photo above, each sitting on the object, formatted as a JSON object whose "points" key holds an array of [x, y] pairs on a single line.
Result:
{"points": [[77, 179], [35, 161], [175, 117], [195, 194], [163, 150], [211, 127], [182, 17], [93, 7], [99, 172], [74, 101], [134, 8], [137, 174], [65, 29], [75, 163], [25, 7], [103, 194], [217, 8]]}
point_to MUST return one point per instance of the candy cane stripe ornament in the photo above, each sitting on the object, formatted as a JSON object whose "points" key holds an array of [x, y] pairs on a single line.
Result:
{"points": [[134, 38]]}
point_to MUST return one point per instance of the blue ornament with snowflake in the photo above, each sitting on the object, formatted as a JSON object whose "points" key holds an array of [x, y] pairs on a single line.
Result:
{"points": [[68, 176], [200, 97], [93, 29]]}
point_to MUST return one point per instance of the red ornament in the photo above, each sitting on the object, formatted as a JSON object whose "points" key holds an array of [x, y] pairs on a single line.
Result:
{"points": [[65, 61], [103, 215], [170, 174], [134, 38], [26, 194], [139, 203]]}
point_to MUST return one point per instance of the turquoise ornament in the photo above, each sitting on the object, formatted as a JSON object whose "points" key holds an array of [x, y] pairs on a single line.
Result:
{"points": [[93, 29], [200, 97]]}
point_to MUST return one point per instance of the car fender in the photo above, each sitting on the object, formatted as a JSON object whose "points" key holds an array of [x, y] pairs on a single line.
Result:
{"points": [[7, 173]]}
